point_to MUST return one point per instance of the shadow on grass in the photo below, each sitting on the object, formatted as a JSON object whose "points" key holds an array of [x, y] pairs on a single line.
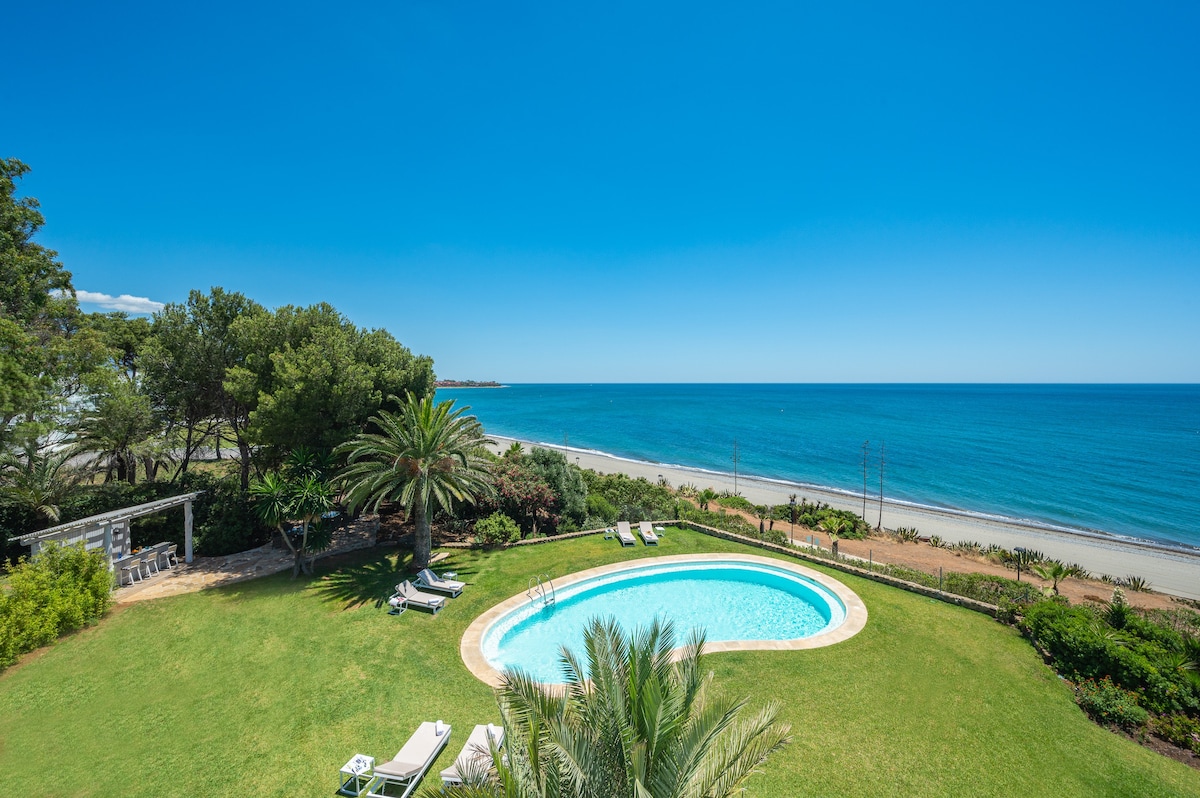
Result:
{"points": [[357, 582]]}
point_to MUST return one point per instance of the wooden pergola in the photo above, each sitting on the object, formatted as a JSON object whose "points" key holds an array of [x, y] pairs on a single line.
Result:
{"points": [[110, 531]]}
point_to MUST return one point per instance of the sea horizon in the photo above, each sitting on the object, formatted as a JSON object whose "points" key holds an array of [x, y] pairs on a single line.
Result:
{"points": [[1109, 460]]}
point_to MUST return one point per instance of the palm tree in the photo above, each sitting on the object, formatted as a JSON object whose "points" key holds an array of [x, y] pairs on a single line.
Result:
{"points": [[705, 496], [834, 526], [426, 457], [632, 723], [1055, 571], [40, 482], [120, 430]]}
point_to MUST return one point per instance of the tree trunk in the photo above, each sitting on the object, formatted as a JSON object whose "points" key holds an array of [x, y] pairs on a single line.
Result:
{"points": [[244, 451], [422, 539]]}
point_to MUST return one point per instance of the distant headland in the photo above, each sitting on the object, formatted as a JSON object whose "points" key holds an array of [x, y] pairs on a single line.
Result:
{"points": [[467, 384]]}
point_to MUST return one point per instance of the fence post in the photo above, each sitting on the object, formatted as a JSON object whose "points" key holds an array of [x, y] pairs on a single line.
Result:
{"points": [[939, 579]]}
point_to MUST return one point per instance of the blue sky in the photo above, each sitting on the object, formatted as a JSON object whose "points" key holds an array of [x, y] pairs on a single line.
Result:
{"points": [[841, 192]]}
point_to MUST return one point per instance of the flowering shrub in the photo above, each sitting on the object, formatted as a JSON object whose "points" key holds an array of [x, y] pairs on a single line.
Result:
{"points": [[1109, 704]]}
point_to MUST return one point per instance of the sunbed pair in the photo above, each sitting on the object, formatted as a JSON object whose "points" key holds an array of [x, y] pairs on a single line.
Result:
{"points": [[399, 777], [409, 594], [645, 529]]}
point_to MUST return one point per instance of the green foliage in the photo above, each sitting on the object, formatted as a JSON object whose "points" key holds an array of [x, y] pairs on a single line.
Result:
{"points": [[62, 589], [635, 499], [297, 493], [223, 517], [46, 354], [193, 348], [737, 503], [602, 510], [1109, 705], [565, 482], [728, 523], [521, 493], [991, 589], [633, 722], [497, 529], [312, 378], [1179, 730], [1137, 657], [426, 458], [907, 534]]}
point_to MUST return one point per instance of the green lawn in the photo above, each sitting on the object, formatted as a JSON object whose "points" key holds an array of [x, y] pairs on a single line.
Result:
{"points": [[267, 687]]}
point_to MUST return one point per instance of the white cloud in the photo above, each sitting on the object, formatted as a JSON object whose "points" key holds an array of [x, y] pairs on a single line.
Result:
{"points": [[125, 302]]}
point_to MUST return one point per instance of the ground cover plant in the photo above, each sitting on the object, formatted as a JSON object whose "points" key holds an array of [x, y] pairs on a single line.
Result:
{"points": [[268, 686]]}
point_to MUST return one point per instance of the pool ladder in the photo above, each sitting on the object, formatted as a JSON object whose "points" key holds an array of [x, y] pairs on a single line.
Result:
{"points": [[537, 588]]}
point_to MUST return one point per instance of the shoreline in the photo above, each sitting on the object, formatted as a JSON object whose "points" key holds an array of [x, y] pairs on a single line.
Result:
{"points": [[1169, 570]]}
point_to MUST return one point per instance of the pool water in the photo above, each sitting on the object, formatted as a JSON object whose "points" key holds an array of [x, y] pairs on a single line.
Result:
{"points": [[729, 600]]}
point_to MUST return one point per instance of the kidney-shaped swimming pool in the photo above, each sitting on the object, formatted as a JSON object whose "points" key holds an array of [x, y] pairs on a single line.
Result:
{"points": [[742, 602]]}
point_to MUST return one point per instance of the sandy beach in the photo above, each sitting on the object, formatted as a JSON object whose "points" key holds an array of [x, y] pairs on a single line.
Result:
{"points": [[1167, 570]]}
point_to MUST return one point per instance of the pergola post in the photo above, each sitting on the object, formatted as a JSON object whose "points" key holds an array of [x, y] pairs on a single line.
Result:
{"points": [[187, 531], [108, 543]]}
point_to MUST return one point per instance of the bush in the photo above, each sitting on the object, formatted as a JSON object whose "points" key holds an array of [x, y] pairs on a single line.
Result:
{"points": [[992, 589], [601, 508], [1110, 705], [61, 589], [737, 503], [1179, 730], [497, 529], [224, 521]]}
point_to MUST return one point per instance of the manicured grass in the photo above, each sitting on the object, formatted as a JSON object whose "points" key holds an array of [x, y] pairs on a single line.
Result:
{"points": [[267, 687]]}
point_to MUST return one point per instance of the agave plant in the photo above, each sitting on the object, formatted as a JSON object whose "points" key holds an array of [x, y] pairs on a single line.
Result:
{"points": [[1136, 583]]}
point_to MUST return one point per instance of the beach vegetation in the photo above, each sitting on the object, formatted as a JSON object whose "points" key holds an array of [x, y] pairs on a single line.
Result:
{"points": [[632, 720], [566, 482], [1136, 583], [1054, 571], [425, 458], [705, 497], [907, 534]]}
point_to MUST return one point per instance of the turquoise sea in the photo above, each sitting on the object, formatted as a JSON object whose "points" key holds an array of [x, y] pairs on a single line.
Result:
{"points": [[1111, 459]]}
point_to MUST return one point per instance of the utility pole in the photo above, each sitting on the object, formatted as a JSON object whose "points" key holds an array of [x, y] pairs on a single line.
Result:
{"points": [[735, 462], [879, 527], [866, 445]]}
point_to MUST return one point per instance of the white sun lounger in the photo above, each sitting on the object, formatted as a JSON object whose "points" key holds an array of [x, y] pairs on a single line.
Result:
{"points": [[410, 596], [624, 535], [647, 533], [476, 755], [410, 763], [428, 579]]}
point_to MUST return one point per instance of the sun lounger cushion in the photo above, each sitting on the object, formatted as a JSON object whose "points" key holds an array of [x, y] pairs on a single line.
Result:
{"points": [[417, 753], [475, 753], [647, 532], [416, 597], [429, 579]]}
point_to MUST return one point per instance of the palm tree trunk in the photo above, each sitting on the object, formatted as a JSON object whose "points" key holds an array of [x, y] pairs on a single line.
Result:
{"points": [[422, 538]]}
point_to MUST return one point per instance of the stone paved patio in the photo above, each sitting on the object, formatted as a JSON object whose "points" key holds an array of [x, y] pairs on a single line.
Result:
{"points": [[204, 572]]}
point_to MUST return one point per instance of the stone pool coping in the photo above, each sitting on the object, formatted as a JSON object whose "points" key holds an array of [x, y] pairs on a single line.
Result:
{"points": [[471, 647]]}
